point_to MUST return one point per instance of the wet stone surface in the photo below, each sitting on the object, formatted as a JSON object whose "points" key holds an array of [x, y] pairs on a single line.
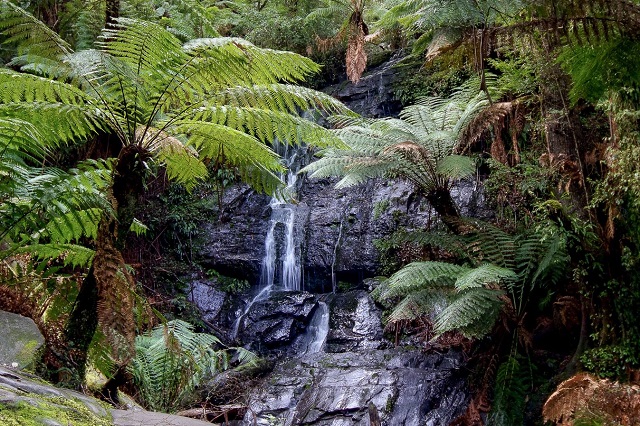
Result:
{"points": [[358, 371]]}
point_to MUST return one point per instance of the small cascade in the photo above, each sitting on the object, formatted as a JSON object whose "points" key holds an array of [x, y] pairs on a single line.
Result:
{"points": [[317, 330], [262, 295]]}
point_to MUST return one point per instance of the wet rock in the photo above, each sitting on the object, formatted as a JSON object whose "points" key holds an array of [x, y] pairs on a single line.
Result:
{"points": [[354, 323], [21, 340], [277, 321], [233, 241], [372, 95], [357, 370], [207, 298], [338, 388]]}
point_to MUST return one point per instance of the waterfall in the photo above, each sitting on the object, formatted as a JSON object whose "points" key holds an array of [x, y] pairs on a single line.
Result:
{"points": [[280, 265], [317, 330]]}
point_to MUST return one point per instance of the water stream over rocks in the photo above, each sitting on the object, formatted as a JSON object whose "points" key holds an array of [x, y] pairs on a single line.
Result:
{"points": [[341, 369], [331, 362]]}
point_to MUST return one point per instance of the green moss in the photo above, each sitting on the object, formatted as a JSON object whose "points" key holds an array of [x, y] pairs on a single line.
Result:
{"points": [[61, 410]]}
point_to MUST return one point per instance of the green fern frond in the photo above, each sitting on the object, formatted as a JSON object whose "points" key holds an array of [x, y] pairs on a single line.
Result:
{"points": [[172, 360], [513, 384], [453, 243], [418, 304], [268, 125], [541, 258], [280, 97], [420, 275], [490, 244], [254, 161], [456, 166], [473, 312], [18, 87], [73, 225], [33, 38], [67, 122], [72, 255], [484, 275]]}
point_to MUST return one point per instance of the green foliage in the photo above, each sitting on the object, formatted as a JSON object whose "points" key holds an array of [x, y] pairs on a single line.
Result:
{"points": [[610, 361], [514, 190], [379, 208], [439, 77], [417, 147], [228, 284], [469, 297], [172, 360], [513, 384], [599, 69]]}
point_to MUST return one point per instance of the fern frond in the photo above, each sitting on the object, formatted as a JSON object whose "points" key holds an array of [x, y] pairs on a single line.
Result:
{"points": [[484, 275], [490, 244], [256, 163], [513, 384], [72, 255], [473, 312], [280, 97], [456, 166], [420, 275], [419, 303], [268, 125], [66, 122], [172, 360], [35, 41]]}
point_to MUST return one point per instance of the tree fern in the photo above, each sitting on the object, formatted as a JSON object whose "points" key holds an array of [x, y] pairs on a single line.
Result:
{"points": [[418, 147], [172, 360], [470, 297], [143, 86]]}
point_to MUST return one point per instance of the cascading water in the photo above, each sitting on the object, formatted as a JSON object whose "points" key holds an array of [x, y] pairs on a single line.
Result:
{"points": [[281, 262], [280, 266], [318, 329]]}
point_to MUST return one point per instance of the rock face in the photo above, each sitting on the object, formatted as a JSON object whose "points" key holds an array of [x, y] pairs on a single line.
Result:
{"points": [[205, 295], [337, 229], [234, 241], [21, 340], [357, 373], [277, 321], [372, 95]]}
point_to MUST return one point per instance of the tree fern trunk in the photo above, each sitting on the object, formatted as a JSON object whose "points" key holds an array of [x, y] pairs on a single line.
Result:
{"points": [[441, 201], [106, 299], [79, 330], [112, 11]]}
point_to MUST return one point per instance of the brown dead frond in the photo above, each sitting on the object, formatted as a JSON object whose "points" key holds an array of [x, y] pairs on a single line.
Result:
{"points": [[410, 151], [356, 54], [610, 402]]}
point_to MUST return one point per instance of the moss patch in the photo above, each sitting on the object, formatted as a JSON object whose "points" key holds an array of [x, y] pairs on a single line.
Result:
{"points": [[36, 410]]}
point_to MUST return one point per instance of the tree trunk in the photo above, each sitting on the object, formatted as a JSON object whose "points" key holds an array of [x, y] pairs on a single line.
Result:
{"points": [[78, 333], [106, 300], [112, 12], [441, 201]]}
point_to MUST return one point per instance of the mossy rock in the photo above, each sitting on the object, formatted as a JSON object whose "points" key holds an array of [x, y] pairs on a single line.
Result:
{"points": [[21, 340], [39, 410]]}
